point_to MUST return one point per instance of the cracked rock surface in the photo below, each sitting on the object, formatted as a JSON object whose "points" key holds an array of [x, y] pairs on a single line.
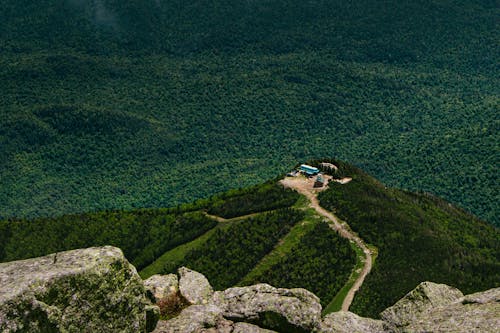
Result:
{"points": [[87, 290], [261, 308], [194, 286], [161, 286], [425, 296], [276, 308]]}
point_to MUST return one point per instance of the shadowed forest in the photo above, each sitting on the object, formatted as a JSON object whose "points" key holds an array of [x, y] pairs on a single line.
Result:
{"points": [[111, 104]]}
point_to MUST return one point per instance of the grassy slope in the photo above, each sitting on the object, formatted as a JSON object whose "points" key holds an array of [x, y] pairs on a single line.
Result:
{"points": [[177, 254], [148, 104], [285, 245], [419, 238], [336, 303], [231, 252]]}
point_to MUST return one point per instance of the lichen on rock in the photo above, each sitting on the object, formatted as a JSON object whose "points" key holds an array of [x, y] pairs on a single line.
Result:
{"points": [[347, 322], [285, 310], [87, 290], [161, 286], [194, 286], [425, 296]]}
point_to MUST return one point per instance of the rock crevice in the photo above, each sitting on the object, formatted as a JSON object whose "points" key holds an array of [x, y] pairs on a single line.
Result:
{"points": [[98, 290], [88, 290], [263, 308]]}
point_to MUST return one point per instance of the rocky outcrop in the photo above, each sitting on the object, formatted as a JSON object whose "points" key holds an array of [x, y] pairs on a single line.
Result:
{"points": [[97, 290], [258, 308], [430, 307], [193, 319], [347, 322], [479, 312], [88, 290], [205, 319], [289, 310], [161, 286], [424, 297], [194, 287]]}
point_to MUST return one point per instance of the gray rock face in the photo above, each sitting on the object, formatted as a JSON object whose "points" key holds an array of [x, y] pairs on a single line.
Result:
{"points": [[194, 287], [484, 297], [97, 290], [285, 310], [193, 319], [425, 296], [248, 328], [88, 290], [205, 319], [479, 312], [162, 286], [347, 322]]}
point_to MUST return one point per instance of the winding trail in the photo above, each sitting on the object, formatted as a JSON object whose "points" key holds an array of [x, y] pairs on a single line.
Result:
{"points": [[232, 219], [305, 187]]}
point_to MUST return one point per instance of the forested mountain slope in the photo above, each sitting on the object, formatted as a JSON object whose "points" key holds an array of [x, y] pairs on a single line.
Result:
{"points": [[266, 233], [111, 104], [419, 237]]}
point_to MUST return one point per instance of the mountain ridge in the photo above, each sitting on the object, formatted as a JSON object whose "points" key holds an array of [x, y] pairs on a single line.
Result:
{"points": [[415, 238]]}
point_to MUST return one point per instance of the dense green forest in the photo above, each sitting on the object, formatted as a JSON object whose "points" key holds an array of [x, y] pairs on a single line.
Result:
{"points": [[419, 238], [259, 198], [109, 104], [142, 234], [227, 256], [321, 263]]}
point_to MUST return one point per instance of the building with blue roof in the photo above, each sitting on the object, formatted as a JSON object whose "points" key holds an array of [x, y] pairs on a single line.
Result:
{"points": [[309, 170]]}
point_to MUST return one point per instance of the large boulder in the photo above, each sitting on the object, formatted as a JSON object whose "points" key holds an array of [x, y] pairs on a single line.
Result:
{"points": [[479, 312], [425, 296], [430, 307], [194, 286], [483, 297], [194, 318], [283, 310], [162, 286], [87, 290], [205, 319], [249, 328], [347, 322]]}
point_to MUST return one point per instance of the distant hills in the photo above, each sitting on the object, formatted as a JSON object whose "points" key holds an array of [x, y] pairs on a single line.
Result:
{"points": [[131, 104], [268, 234]]}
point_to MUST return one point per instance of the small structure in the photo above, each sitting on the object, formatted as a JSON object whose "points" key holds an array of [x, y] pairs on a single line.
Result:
{"points": [[320, 181], [328, 166], [309, 170]]}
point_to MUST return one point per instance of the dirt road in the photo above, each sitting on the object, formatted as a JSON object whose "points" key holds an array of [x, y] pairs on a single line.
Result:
{"points": [[305, 187]]}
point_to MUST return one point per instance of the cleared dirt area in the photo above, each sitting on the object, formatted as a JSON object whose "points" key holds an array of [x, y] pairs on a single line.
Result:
{"points": [[305, 187]]}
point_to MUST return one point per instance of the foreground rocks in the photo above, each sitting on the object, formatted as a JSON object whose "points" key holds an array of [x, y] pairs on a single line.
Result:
{"points": [[161, 286], [247, 309], [425, 297], [194, 286], [97, 290], [347, 322], [290, 310], [430, 307], [479, 312], [89, 290]]}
